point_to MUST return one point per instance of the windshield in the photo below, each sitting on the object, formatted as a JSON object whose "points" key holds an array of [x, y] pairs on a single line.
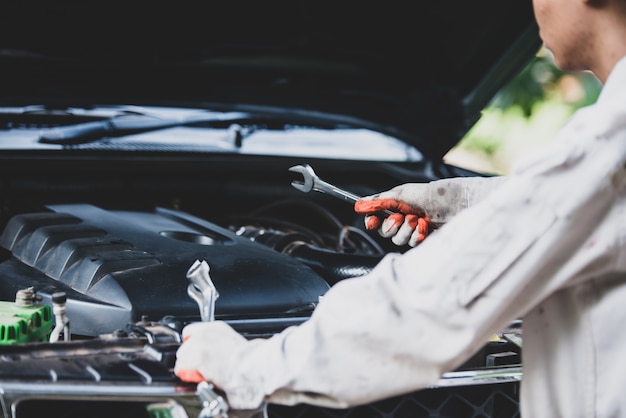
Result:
{"points": [[158, 129]]}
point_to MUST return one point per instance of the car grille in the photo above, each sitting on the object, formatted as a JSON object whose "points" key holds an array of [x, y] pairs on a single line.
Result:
{"points": [[107, 377], [479, 401]]}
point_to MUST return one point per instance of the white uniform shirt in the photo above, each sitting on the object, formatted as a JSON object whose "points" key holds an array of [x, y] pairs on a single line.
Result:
{"points": [[548, 246]]}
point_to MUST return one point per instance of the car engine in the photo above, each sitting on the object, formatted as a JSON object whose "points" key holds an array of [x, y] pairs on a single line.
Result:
{"points": [[119, 267], [95, 299], [139, 145]]}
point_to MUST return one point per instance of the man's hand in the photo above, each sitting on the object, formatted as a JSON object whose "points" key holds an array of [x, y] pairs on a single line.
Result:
{"points": [[409, 225], [209, 352], [206, 345], [421, 207]]}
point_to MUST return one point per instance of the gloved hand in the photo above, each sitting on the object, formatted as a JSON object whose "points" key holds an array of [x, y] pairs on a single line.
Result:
{"points": [[421, 207], [409, 225], [209, 352]]}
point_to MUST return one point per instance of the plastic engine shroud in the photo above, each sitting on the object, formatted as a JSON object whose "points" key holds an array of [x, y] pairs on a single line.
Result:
{"points": [[119, 266]]}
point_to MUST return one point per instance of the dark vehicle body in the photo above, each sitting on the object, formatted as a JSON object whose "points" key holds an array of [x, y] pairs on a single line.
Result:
{"points": [[139, 137]]}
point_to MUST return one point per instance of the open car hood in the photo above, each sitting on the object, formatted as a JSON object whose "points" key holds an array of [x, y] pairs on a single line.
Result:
{"points": [[415, 71]]}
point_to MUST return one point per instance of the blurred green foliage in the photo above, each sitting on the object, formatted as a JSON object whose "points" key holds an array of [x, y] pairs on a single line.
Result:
{"points": [[524, 115], [541, 80]]}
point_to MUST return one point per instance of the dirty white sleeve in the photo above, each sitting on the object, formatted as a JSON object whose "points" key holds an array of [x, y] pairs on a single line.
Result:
{"points": [[447, 197], [418, 315]]}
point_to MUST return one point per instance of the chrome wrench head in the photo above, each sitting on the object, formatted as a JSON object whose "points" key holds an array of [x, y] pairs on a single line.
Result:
{"points": [[311, 181], [202, 290], [308, 177]]}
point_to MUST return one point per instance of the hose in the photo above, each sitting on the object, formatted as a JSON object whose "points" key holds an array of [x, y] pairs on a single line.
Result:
{"points": [[331, 265]]}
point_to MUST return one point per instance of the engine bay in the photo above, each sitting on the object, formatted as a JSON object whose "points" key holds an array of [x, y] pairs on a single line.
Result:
{"points": [[94, 284], [119, 267]]}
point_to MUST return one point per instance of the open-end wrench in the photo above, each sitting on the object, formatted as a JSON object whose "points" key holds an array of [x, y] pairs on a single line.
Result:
{"points": [[202, 290], [310, 181]]}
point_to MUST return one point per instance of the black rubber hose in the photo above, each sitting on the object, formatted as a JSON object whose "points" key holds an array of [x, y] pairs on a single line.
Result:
{"points": [[331, 265]]}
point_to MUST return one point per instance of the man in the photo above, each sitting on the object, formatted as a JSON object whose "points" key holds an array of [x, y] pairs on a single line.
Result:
{"points": [[547, 244]]}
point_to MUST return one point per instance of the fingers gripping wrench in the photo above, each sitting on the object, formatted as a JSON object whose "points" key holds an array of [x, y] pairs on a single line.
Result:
{"points": [[310, 181], [203, 291]]}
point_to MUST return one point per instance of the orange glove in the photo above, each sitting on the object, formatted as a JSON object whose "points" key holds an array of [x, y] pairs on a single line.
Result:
{"points": [[189, 375], [205, 349], [214, 352], [409, 225], [422, 207]]}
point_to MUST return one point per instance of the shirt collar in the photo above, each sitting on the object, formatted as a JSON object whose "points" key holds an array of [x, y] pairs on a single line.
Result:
{"points": [[615, 83]]}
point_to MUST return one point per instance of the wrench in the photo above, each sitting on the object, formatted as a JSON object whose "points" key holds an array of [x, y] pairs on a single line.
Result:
{"points": [[202, 290], [311, 181]]}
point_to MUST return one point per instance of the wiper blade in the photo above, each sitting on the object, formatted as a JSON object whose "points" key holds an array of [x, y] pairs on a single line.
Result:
{"points": [[86, 132]]}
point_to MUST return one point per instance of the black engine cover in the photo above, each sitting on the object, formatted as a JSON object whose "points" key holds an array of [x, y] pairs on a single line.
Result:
{"points": [[119, 266]]}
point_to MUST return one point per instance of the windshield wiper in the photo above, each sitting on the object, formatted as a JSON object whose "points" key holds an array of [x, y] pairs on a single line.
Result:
{"points": [[86, 132]]}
